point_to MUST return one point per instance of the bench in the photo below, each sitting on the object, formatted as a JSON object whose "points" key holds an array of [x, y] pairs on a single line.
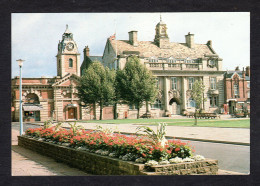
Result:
{"points": [[208, 115], [190, 114], [146, 115], [203, 115]]}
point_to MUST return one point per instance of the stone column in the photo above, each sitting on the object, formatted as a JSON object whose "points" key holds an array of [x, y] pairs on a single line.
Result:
{"points": [[165, 92], [184, 89]]}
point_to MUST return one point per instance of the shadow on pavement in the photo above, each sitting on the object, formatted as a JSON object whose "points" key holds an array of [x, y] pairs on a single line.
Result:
{"points": [[29, 163]]}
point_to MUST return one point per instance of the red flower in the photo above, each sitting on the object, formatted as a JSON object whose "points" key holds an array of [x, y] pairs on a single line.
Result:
{"points": [[168, 151], [143, 154], [177, 149]]}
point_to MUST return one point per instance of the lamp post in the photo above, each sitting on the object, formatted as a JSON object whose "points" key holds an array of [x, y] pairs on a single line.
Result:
{"points": [[20, 63]]}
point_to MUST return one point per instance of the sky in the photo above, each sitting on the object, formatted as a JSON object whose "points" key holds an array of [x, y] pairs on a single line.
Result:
{"points": [[35, 36]]}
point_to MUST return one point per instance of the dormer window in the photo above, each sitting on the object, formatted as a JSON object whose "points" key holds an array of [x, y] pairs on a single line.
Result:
{"points": [[188, 60], [70, 63], [171, 60], [153, 60]]}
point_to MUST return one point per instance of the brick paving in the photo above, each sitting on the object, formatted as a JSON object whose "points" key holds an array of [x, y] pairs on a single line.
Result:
{"points": [[29, 163]]}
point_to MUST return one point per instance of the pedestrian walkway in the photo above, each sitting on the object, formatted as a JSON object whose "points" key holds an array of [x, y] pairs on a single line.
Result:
{"points": [[211, 134], [29, 163]]}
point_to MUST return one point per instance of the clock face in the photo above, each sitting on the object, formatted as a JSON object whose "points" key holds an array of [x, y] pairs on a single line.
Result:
{"points": [[70, 46]]}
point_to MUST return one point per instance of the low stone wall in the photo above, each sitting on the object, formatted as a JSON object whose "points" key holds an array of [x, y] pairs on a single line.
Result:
{"points": [[104, 165]]}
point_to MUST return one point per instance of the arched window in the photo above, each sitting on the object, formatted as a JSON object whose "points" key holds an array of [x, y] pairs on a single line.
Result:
{"points": [[191, 103], [70, 63]]}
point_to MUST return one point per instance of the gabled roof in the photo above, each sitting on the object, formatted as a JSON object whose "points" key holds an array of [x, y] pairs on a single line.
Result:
{"points": [[149, 49], [230, 74], [95, 58], [67, 77]]}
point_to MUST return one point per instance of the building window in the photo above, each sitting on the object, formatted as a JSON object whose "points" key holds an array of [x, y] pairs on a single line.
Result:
{"points": [[191, 103], [236, 90], [213, 84], [171, 60], [191, 82], [248, 94], [248, 84], [132, 107], [70, 63], [153, 60], [188, 60], [157, 104], [174, 83], [213, 101]]}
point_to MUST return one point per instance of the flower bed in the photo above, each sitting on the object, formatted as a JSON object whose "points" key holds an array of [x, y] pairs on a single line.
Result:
{"points": [[146, 153], [105, 165], [131, 148]]}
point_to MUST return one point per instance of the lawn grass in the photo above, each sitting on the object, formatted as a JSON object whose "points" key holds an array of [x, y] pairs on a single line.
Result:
{"points": [[236, 123]]}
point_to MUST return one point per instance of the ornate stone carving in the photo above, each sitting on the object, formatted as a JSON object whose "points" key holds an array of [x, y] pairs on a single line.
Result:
{"points": [[188, 93], [32, 91], [160, 94], [212, 62], [174, 94]]}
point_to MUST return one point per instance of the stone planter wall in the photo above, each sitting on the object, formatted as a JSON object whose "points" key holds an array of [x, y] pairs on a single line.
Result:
{"points": [[104, 165]]}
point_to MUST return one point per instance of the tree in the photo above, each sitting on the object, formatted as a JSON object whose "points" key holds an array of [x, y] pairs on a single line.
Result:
{"points": [[197, 94], [97, 86], [135, 84]]}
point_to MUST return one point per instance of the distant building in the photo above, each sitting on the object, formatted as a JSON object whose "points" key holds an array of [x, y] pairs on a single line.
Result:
{"points": [[237, 90], [176, 65], [88, 60], [46, 98]]}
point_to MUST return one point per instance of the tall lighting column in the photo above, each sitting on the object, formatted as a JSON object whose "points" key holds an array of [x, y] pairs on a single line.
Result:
{"points": [[20, 63]]}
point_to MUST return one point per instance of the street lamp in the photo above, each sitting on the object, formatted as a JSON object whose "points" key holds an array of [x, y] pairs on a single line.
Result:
{"points": [[20, 63]]}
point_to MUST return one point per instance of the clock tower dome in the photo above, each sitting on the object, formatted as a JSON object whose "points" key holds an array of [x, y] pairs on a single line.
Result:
{"points": [[161, 37], [68, 57]]}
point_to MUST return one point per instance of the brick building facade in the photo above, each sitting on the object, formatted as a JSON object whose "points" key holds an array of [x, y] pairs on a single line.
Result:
{"points": [[46, 98], [237, 90]]}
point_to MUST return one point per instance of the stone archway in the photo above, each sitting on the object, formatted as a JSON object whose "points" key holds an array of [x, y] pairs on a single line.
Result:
{"points": [[31, 107], [175, 106]]}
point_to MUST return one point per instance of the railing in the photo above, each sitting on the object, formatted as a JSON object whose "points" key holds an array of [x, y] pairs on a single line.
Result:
{"points": [[172, 66]]}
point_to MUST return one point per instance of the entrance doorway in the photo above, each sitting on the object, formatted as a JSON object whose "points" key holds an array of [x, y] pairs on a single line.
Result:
{"points": [[71, 113], [232, 106], [175, 107]]}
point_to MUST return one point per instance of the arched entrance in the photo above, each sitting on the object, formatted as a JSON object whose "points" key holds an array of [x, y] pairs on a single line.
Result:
{"points": [[175, 106], [71, 112], [32, 108]]}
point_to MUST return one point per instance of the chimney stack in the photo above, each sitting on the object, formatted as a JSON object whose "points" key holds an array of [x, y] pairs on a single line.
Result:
{"points": [[248, 71], [190, 40], [237, 68], [86, 52], [243, 73], [133, 38]]}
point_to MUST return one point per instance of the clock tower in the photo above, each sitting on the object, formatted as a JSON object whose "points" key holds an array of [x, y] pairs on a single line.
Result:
{"points": [[68, 57], [161, 37]]}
